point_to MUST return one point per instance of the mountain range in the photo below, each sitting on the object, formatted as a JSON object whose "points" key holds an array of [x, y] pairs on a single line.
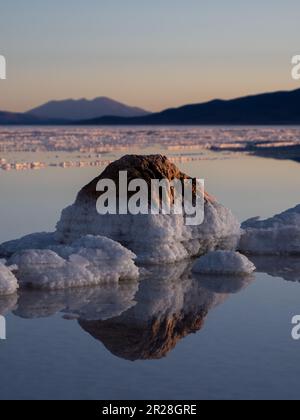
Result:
{"points": [[81, 109], [277, 108], [263, 109], [69, 111]]}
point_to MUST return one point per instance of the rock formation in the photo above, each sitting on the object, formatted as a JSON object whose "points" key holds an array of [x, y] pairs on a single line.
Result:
{"points": [[89, 248], [278, 235], [224, 263], [8, 282], [153, 238]]}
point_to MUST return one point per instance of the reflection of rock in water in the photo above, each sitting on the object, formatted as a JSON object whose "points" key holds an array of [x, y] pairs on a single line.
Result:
{"points": [[8, 303], [135, 321], [287, 267], [171, 304], [225, 284], [90, 303]]}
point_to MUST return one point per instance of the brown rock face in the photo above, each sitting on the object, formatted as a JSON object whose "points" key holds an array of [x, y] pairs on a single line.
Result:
{"points": [[153, 341], [137, 167]]}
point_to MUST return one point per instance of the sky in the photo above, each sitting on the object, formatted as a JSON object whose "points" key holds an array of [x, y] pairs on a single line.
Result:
{"points": [[153, 54]]}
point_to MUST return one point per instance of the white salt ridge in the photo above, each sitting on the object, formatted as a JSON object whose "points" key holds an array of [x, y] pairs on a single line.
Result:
{"points": [[40, 240], [224, 263], [88, 262], [279, 235], [76, 138], [155, 239], [8, 282]]}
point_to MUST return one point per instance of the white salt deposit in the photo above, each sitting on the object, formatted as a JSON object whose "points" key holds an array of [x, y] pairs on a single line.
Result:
{"points": [[8, 282], [80, 264], [89, 248], [155, 239], [279, 235], [33, 241], [224, 263]]}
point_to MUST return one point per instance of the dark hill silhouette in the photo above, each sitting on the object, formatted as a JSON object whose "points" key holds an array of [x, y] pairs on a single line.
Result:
{"points": [[13, 118], [269, 108], [278, 108]]}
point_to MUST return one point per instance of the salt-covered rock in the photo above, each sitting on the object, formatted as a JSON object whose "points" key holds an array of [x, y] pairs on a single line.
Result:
{"points": [[224, 263], [153, 238], [91, 249], [33, 241], [8, 282], [279, 235], [77, 265]]}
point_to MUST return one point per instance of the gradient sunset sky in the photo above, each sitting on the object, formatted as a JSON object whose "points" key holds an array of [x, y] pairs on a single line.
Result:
{"points": [[154, 54]]}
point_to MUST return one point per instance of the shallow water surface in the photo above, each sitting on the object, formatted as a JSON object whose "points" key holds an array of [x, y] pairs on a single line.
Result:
{"points": [[172, 336]]}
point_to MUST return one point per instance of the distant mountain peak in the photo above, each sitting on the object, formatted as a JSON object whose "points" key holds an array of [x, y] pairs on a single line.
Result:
{"points": [[83, 108]]}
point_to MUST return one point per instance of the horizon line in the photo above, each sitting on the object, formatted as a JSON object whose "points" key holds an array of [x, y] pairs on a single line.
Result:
{"points": [[248, 95]]}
